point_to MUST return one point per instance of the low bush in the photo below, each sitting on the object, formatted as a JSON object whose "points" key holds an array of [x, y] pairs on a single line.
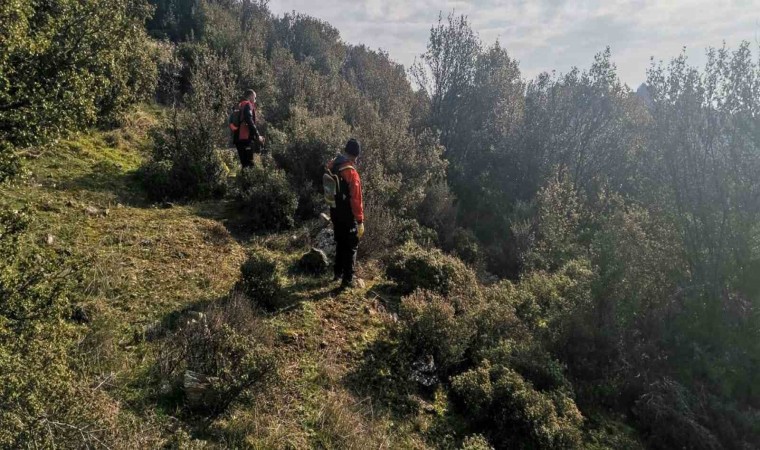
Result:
{"points": [[386, 231], [464, 245], [515, 414], [266, 198], [218, 355], [261, 281], [9, 162], [413, 267], [546, 302], [431, 328], [475, 442], [184, 164]]}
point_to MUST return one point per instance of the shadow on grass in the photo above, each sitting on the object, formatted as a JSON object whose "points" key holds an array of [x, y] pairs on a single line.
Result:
{"points": [[229, 213], [109, 178]]}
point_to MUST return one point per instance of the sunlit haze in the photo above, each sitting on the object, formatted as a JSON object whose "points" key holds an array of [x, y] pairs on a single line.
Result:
{"points": [[549, 35]]}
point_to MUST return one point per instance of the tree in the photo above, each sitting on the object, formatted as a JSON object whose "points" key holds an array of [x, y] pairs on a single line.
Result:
{"points": [[64, 62]]}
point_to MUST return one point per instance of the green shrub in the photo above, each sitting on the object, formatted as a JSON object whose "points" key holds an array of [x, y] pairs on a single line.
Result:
{"points": [[386, 231], [464, 245], [184, 163], [517, 415], [219, 354], [411, 230], [475, 442], [266, 198], [671, 417], [312, 142], [430, 327], [413, 267], [546, 302], [532, 362], [261, 282], [9, 162]]}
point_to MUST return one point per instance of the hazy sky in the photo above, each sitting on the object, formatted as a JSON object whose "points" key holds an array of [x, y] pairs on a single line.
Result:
{"points": [[547, 35]]}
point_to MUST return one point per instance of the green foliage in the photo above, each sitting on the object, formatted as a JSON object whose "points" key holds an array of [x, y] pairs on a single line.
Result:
{"points": [[431, 328], [176, 19], [266, 198], [69, 63], [227, 348], [261, 281], [464, 245], [33, 283], [518, 415], [476, 442], [311, 143], [310, 40], [185, 163], [45, 402], [545, 302], [9, 162], [413, 267]]}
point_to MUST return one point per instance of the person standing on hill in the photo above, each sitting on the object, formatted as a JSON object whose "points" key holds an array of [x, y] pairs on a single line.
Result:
{"points": [[347, 214], [247, 137]]}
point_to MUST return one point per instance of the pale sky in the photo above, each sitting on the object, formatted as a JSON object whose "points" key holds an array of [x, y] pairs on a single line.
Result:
{"points": [[545, 35]]}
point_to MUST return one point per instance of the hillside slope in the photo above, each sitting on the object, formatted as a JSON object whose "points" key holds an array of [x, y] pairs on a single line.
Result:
{"points": [[147, 267]]}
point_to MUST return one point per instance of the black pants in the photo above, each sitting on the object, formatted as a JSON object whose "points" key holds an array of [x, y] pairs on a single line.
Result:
{"points": [[246, 149], [346, 244]]}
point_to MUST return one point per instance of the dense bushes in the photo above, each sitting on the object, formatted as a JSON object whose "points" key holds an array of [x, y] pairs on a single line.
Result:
{"points": [[266, 198], [434, 329], [71, 63], [413, 267], [310, 144], [517, 414], [184, 163], [491, 357]]}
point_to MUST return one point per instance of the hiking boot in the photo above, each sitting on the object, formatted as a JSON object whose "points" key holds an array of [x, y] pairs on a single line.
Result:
{"points": [[348, 285], [353, 284]]}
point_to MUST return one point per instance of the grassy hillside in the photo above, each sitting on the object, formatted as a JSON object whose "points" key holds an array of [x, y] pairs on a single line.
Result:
{"points": [[147, 266]]}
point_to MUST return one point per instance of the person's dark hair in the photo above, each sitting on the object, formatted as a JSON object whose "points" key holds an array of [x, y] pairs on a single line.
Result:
{"points": [[248, 93], [353, 147]]}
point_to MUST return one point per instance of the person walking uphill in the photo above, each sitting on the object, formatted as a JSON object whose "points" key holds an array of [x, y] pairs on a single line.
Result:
{"points": [[247, 137], [347, 214]]}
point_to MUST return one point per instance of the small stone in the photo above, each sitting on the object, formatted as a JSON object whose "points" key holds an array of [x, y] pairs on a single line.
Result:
{"points": [[50, 239], [199, 389], [165, 388], [315, 262], [92, 211], [119, 206], [197, 315]]}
